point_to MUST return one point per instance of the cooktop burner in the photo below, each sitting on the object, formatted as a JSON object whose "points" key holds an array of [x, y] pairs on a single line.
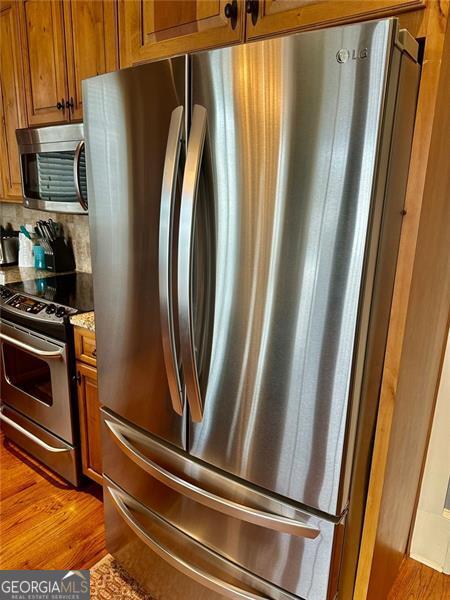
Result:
{"points": [[73, 290]]}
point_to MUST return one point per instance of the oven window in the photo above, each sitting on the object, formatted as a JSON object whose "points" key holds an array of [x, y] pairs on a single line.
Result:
{"points": [[50, 176], [28, 373]]}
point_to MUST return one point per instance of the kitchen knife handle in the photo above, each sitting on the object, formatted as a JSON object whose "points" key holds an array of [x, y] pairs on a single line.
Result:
{"points": [[185, 259], [76, 175], [165, 257]]}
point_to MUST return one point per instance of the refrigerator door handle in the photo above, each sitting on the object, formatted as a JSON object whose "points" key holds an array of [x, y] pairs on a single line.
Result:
{"points": [[210, 581], [165, 258], [185, 254], [209, 499]]}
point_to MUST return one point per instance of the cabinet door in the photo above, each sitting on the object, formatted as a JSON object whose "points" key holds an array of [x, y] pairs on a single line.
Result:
{"points": [[44, 60], [12, 100], [89, 411], [267, 17], [91, 45], [157, 28]]}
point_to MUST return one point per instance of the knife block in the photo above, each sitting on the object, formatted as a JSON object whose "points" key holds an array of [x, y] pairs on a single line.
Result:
{"points": [[59, 256]]}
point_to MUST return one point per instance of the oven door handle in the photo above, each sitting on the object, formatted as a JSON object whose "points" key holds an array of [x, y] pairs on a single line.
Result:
{"points": [[30, 435], [49, 355]]}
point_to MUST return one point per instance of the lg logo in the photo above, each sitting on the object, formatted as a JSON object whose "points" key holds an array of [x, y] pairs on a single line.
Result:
{"points": [[343, 55]]}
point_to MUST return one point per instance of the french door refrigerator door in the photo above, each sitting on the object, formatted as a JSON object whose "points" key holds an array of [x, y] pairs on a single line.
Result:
{"points": [[289, 130], [128, 122]]}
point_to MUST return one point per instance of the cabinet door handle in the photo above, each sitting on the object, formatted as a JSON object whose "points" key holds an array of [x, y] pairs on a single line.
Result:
{"points": [[61, 105], [252, 8], [70, 104], [231, 12]]}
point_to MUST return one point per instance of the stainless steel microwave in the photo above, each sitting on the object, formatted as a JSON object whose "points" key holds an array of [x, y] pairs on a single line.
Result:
{"points": [[53, 168]]}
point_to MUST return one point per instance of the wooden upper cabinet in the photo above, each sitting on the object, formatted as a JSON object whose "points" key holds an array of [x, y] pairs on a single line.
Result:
{"points": [[12, 100], [156, 28], [44, 60], [266, 17], [91, 45], [64, 43]]}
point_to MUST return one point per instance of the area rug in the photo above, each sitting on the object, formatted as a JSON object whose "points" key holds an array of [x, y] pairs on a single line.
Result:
{"points": [[109, 581]]}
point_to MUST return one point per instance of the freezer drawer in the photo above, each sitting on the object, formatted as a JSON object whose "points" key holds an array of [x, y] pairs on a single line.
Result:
{"points": [[286, 546]]}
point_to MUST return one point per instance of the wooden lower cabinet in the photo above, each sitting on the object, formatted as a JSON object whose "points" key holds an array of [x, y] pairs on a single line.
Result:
{"points": [[268, 17], [89, 412]]}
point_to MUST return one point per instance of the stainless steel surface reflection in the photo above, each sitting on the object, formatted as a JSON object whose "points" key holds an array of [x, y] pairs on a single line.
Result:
{"points": [[293, 137], [300, 563], [126, 125]]}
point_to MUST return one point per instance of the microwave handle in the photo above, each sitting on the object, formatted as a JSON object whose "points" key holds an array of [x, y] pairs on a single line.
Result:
{"points": [[76, 175]]}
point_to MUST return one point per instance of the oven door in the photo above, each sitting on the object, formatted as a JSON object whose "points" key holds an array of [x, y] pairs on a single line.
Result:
{"points": [[35, 378]]}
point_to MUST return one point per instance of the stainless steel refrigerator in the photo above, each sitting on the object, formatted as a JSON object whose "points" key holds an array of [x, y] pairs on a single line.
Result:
{"points": [[245, 211]]}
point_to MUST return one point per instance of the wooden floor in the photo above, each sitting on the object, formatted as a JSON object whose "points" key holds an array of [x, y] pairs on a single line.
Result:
{"points": [[418, 582], [44, 522]]}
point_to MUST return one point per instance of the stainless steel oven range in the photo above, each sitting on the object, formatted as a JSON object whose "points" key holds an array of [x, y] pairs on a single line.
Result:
{"points": [[38, 402]]}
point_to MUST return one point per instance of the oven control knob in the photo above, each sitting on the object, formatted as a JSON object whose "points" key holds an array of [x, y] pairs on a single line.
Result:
{"points": [[60, 311], [51, 308]]}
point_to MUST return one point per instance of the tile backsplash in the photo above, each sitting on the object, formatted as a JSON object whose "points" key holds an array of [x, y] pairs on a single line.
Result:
{"points": [[76, 229]]}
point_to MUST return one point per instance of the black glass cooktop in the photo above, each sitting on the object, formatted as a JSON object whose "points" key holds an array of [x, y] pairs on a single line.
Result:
{"points": [[73, 290]]}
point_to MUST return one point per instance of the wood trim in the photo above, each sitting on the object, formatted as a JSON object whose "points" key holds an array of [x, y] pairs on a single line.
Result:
{"points": [[88, 436], [384, 540]]}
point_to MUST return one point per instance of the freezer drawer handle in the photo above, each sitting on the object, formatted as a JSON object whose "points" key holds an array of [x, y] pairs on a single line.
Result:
{"points": [[166, 221], [41, 353], [222, 505], [29, 435], [185, 256], [209, 581]]}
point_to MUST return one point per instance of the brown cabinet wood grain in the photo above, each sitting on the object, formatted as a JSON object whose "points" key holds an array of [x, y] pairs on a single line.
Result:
{"points": [[91, 45], [44, 60], [12, 101], [269, 17], [85, 348], [89, 413], [156, 28], [88, 403], [64, 43]]}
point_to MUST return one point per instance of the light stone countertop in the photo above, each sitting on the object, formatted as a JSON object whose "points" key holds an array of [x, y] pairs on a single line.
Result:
{"points": [[85, 320], [13, 274]]}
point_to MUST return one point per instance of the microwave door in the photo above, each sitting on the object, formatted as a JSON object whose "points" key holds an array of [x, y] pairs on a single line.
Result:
{"points": [[53, 169]]}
